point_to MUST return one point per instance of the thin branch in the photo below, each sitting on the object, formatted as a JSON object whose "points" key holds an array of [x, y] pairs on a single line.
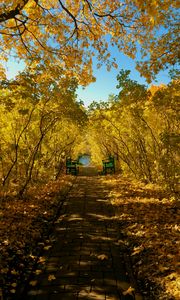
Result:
{"points": [[24, 44], [89, 4], [71, 15], [9, 34], [12, 13]]}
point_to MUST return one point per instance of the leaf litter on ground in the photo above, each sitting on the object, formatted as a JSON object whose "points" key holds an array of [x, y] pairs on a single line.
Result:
{"points": [[149, 218], [24, 227]]}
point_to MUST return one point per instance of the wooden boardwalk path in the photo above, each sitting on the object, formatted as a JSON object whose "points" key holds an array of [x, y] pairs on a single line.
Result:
{"points": [[87, 259]]}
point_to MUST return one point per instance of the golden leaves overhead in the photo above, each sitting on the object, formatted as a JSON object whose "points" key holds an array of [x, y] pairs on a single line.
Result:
{"points": [[71, 32]]}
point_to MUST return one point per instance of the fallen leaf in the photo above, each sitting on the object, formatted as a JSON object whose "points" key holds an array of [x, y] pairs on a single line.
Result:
{"points": [[14, 272], [14, 284], [129, 291], [38, 272], [42, 259], [51, 277], [163, 269], [102, 256], [137, 250], [47, 247], [33, 282]]}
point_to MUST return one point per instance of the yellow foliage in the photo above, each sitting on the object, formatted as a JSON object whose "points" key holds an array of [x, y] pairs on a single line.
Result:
{"points": [[2, 72], [71, 32]]}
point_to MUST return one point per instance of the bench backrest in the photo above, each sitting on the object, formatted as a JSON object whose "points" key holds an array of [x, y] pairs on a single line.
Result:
{"points": [[109, 161], [70, 162]]}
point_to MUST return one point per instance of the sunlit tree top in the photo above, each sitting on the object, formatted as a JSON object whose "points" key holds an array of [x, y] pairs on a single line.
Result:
{"points": [[71, 32]]}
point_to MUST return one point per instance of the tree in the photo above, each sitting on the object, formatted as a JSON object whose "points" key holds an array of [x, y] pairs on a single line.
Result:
{"points": [[140, 128], [70, 33], [40, 123]]}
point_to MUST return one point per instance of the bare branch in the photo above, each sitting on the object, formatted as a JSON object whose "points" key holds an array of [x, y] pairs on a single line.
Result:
{"points": [[70, 14], [12, 13], [24, 44]]}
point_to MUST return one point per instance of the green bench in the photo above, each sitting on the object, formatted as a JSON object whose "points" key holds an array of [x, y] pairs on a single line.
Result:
{"points": [[108, 165], [72, 166]]}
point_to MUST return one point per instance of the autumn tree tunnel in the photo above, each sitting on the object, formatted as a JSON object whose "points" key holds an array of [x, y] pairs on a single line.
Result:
{"points": [[42, 123]]}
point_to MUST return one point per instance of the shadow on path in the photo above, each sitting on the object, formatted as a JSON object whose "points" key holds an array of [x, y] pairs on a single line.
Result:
{"points": [[88, 171], [86, 260]]}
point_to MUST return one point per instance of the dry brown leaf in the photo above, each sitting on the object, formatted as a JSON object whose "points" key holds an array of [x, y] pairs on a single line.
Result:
{"points": [[33, 282], [38, 272], [102, 256], [14, 284], [47, 247], [51, 277], [137, 250], [129, 291]]}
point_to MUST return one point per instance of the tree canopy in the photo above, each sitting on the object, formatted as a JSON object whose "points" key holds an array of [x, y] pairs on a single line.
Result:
{"points": [[140, 128], [69, 33]]}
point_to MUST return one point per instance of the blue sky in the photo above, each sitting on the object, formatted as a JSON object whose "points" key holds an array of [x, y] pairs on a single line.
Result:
{"points": [[13, 67], [105, 81]]}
